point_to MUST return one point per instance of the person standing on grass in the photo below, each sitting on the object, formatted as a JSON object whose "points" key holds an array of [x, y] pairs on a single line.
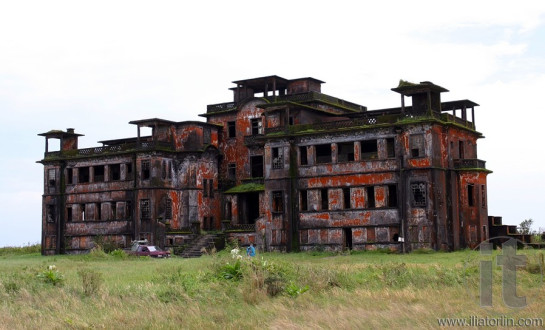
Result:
{"points": [[250, 251]]}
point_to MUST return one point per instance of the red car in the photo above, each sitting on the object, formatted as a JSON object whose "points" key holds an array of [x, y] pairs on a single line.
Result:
{"points": [[149, 250]]}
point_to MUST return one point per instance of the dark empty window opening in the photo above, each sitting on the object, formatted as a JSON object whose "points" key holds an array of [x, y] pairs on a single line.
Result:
{"points": [[83, 174], [168, 208], [51, 177], [115, 172], [395, 238], [370, 200], [323, 153], [277, 158], [303, 155], [231, 129], [290, 121], [345, 152], [98, 175], [227, 212], [211, 188], [146, 169], [390, 148], [145, 211], [257, 126], [418, 190], [232, 171], [206, 135], [82, 209], [205, 188], [128, 209], [98, 209], [304, 200], [369, 149], [129, 170], [113, 208], [392, 195], [346, 198], [256, 163], [347, 238], [70, 175], [461, 149], [50, 213], [417, 145], [325, 199], [470, 195], [277, 202], [69, 213]]}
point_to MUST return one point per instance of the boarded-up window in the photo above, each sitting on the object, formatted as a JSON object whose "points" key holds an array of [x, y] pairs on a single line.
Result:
{"points": [[417, 145], [277, 202], [418, 192]]}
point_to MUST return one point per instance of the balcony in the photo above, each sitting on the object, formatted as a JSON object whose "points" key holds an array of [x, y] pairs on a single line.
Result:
{"points": [[469, 164], [254, 140], [146, 145], [240, 228]]}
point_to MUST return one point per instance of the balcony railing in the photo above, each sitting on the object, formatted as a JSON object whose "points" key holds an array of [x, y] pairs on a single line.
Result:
{"points": [[253, 140], [245, 228], [469, 163], [146, 145], [220, 107]]}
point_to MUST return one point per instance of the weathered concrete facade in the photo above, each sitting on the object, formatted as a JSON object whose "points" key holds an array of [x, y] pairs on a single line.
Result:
{"points": [[283, 166]]}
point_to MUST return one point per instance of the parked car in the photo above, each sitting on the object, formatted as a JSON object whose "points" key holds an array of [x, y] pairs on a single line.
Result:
{"points": [[149, 250]]}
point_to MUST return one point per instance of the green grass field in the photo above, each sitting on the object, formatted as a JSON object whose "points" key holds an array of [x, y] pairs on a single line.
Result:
{"points": [[272, 290]]}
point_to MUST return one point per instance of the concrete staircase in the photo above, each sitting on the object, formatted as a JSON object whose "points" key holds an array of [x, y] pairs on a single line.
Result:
{"points": [[194, 248]]}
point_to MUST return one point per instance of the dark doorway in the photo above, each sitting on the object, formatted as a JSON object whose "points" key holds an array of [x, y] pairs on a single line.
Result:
{"points": [[347, 238], [249, 210]]}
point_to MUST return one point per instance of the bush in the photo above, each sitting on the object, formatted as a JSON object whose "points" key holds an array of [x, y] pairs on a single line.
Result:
{"points": [[91, 281]]}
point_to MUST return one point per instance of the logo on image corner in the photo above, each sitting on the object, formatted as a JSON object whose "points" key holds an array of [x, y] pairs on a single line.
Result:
{"points": [[485, 283]]}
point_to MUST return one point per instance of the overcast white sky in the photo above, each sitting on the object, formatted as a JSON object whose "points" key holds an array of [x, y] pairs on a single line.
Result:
{"points": [[96, 65]]}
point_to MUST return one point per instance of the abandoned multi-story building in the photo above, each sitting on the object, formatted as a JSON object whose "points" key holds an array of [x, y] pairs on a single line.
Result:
{"points": [[282, 166]]}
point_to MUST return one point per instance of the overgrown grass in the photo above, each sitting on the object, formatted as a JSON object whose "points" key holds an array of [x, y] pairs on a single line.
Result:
{"points": [[274, 290]]}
